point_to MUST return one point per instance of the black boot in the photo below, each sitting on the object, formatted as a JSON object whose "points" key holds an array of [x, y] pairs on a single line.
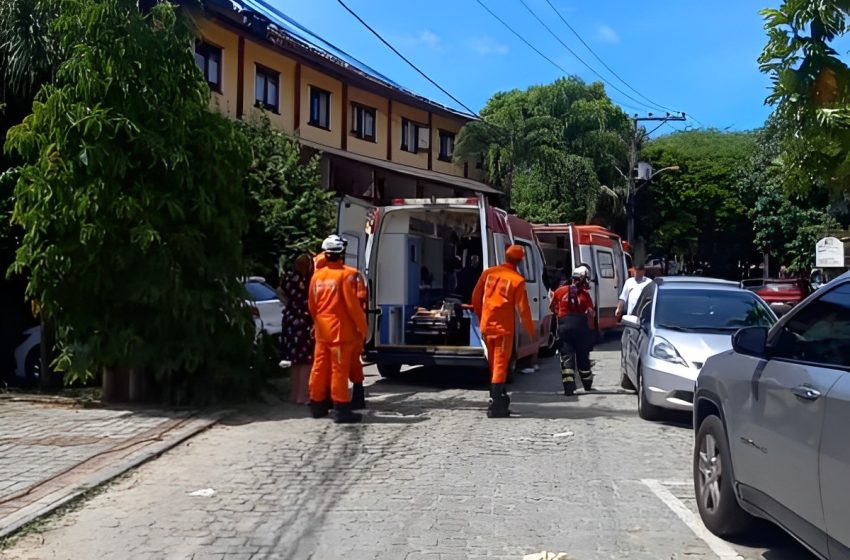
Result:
{"points": [[586, 379], [358, 397], [319, 409], [568, 378], [343, 414], [498, 407]]}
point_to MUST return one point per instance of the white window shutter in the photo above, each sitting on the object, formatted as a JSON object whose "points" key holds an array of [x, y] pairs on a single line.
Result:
{"points": [[424, 138]]}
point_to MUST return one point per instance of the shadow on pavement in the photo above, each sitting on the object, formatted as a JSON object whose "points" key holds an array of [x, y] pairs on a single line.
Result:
{"points": [[775, 543]]}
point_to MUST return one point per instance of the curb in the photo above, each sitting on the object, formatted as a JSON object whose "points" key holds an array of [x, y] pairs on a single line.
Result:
{"points": [[56, 499]]}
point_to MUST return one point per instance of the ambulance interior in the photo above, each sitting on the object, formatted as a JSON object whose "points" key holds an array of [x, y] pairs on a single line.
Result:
{"points": [[428, 262], [557, 254]]}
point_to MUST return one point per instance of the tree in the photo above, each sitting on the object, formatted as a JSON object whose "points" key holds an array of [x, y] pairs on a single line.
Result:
{"points": [[289, 211], [525, 137], [560, 192], [698, 212], [131, 199]]}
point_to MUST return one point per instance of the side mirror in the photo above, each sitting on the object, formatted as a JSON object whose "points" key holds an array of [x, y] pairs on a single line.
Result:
{"points": [[631, 321], [750, 341]]}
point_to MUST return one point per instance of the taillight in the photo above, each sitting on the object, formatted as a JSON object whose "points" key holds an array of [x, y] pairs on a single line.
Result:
{"points": [[398, 202]]}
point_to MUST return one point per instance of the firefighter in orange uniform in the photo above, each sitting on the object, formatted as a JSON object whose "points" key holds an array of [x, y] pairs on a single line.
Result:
{"points": [[340, 326], [574, 307], [498, 294], [358, 394]]}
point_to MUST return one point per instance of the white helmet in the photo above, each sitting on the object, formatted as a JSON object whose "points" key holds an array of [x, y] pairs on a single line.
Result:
{"points": [[333, 244], [580, 272]]}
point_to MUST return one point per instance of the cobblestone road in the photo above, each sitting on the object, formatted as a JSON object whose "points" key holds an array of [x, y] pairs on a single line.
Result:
{"points": [[427, 477]]}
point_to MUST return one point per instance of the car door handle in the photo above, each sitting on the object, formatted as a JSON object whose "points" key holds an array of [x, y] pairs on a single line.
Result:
{"points": [[806, 392], [534, 300]]}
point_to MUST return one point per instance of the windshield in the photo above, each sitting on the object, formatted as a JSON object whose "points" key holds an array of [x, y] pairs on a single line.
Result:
{"points": [[710, 310], [260, 292]]}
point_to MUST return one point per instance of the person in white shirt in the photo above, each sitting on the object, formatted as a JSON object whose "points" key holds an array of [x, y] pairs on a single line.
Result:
{"points": [[631, 292]]}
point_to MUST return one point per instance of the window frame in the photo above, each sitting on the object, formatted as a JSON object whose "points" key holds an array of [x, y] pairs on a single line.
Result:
{"points": [[441, 134], [314, 122], [268, 74], [599, 254], [205, 49], [775, 335], [405, 123], [528, 261], [358, 109]]}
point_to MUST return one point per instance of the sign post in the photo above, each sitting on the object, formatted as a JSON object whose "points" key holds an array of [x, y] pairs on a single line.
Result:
{"points": [[829, 253]]}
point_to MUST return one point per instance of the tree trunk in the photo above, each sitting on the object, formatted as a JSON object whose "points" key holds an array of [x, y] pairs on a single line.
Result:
{"points": [[49, 380]]}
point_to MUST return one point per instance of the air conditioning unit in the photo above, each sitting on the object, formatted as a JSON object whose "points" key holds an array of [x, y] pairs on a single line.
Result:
{"points": [[424, 138]]}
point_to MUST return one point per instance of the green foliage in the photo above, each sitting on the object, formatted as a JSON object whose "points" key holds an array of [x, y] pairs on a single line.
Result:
{"points": [[565, 190], [534, 136], [29, 50], [811, 92], [131, 200], [700, 210], [289, 211]]}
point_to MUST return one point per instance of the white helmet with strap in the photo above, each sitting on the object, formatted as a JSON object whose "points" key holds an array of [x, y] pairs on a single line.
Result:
{"points": [[334, 244], [580, 272]]}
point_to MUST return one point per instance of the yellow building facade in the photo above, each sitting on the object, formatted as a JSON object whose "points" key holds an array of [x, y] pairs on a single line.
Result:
{"points": [[378, 141]]}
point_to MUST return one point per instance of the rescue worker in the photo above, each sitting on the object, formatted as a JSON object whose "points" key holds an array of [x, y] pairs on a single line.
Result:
{"points": [[574, 307], [498, 294], [340, 325], [358, 394]]}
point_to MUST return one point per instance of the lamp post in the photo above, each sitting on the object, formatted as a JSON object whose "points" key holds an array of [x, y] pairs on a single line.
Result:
{"points": [[634, 189]]}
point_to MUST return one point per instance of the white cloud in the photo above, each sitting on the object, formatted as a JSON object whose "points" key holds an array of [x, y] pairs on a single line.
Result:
{"points": [[607, 35], [486, 46], [429, 39]]}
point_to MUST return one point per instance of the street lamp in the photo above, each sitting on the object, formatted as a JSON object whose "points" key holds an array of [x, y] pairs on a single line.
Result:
{"points": [[633, 190]]}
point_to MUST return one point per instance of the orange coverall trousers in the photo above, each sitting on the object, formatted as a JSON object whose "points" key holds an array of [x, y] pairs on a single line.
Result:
{"points": [[499, 352], [331, 370]]}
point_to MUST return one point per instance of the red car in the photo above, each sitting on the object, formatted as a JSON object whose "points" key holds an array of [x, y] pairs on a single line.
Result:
{"points": [[780, 293]]}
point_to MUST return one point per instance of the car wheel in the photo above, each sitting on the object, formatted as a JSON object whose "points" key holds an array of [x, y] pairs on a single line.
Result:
{"points": [[646, 409], [389, 370], [714, 484], [32, 364]]}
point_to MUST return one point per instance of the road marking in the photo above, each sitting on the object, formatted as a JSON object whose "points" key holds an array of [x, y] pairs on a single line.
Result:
{"points": [[689, 518]]}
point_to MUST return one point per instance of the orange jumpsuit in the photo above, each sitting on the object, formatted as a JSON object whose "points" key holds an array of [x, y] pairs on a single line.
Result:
{"points": [[340, 326], [498, 294], [356, 375]]}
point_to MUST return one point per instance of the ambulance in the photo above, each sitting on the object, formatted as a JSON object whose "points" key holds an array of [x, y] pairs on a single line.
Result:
{"points": [[421, 258], [567, 246]]}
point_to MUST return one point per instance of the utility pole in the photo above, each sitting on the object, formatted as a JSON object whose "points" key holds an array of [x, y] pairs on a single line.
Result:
{"points": [[637, 136]]}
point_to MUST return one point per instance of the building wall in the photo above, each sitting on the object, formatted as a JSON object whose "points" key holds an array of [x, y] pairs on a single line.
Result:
{"points": [[256, 54], [389, 114], [228, 42], [400, 112], [378, 148]]}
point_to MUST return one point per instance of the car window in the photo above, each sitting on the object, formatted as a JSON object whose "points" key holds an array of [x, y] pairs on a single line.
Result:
{"points": [[606, 264], [646, 312], [259, 291], [526, 267], [818, 333], [696, 309]]}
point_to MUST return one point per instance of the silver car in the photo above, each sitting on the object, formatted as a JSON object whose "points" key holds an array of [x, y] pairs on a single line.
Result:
{"points": [[678, 323], [771, 419]]}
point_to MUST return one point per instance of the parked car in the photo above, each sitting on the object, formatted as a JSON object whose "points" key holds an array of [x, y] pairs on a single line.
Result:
{"points": [[28, 356], [771, 427], [781, 294], [265, 306], [677, 324]]}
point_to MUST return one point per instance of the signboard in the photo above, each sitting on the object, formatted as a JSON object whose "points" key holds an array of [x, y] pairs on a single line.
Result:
{"points": [[829, 253]]}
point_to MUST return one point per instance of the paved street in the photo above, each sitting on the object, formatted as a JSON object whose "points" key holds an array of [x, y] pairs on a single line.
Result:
{"points": [[427, 477]]}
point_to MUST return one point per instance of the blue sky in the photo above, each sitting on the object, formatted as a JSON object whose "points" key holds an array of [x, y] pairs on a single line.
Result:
{"points": [[679, 53]]}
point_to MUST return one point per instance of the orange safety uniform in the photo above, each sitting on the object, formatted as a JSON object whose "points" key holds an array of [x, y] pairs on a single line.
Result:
{"points": [[340, 326], [498, 294], [562, 306]]}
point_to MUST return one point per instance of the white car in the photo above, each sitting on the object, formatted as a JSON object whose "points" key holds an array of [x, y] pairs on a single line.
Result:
{"points": [[265, 306]]}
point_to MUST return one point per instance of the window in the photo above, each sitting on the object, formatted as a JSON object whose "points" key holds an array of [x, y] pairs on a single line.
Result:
{"points": [[707, 310], [447, 145], [208, 58], [266, 89], [259, 291], [606, 264], [818, 333], [320, 108], [363, 122], [526, 267], [479, 163], [409, 136]]}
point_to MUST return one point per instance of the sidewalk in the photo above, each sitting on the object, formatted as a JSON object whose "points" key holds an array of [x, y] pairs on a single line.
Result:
{"points": [[51, 451]]}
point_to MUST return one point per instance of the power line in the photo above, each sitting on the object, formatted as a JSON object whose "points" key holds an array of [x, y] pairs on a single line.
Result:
{"points": [[580, 59], [404, 58], [535, 49], [583, 42]]}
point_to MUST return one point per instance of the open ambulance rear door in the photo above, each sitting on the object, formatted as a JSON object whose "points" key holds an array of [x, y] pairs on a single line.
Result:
{"points": [[354, 223]]}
